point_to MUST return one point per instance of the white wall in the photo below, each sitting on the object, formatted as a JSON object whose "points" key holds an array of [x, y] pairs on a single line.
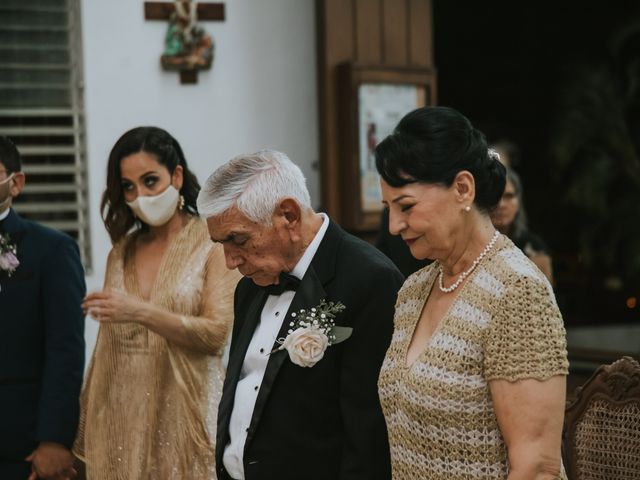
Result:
{"points": [[260, 92]]}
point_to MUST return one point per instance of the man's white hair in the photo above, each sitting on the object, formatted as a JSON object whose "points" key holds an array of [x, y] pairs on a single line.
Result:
{"points": [[254, 184]]}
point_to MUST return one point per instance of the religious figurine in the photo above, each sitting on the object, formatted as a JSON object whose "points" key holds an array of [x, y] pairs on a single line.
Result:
{"points": [[187, 45]]}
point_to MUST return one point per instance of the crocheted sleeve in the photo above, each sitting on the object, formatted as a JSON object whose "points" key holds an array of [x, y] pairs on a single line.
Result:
{"points": [[526, 336]]}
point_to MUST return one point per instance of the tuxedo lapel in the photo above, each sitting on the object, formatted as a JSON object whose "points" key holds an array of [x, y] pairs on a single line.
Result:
{"points": [[309, 294], [14, 226], [252, 318], [236, 360]]}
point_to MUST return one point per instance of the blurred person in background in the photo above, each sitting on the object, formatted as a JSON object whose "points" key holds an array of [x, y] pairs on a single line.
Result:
{"points": [[509, 218]]}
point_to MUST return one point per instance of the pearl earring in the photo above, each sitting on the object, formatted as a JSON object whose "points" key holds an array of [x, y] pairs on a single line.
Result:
{"points": [[181, 204], [467, 208]]}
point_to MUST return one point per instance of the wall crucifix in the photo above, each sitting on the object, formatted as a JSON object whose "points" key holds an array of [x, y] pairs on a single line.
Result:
{"points": [[188, 48]]}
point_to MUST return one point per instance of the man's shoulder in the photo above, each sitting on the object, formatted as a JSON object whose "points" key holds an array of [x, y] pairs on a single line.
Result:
{"points": [[245, 284], [42, 232], [46, 244], [356, 251], [245, 288], [362, 271]]}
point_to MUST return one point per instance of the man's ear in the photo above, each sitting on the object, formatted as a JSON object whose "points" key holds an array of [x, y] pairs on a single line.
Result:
{"points": [[17, 184], [464, 187], [289, 213]]}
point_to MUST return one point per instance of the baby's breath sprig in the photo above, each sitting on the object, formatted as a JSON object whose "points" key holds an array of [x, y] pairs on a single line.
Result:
{"points": [[311, 331], [321, 318]]}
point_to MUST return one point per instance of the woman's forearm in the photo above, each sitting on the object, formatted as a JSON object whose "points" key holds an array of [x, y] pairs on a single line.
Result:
{"points": [[173, 327]]}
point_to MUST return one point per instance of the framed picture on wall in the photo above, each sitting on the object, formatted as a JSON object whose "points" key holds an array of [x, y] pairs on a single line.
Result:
{"points": [[375, 99], [380, 108]]}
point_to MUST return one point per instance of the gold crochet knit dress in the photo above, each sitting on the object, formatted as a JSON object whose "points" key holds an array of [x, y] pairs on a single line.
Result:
{"points": [[504, 324], [148, 407]]}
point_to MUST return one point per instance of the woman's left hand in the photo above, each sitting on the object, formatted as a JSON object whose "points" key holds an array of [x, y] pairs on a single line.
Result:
{"points": [[114, 307]]}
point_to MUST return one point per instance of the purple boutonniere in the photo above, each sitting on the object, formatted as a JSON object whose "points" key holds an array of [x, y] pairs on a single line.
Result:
{"points": [[8, 255]]}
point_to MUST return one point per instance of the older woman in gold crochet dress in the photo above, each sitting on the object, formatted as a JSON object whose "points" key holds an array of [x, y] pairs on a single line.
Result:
{"points": [[149, 402], [473, 383]]}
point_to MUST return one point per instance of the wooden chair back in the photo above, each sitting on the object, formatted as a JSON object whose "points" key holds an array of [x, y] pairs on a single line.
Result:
{"points": [[601, 439]]}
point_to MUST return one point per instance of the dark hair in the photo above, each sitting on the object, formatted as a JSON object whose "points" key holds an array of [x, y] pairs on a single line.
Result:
{"points": [[510, 149], [116, 214], [519, 224], [434, 144], [9, 155]]}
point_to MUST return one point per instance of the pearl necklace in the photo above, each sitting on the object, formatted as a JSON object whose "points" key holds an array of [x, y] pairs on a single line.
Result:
{"points": [[466, 273]]}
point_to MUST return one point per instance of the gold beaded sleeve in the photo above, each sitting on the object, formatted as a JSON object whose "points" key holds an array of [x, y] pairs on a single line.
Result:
{"points": [[208, 331]]}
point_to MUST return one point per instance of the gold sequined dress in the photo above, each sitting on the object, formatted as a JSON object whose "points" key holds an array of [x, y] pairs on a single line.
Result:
{"points": [[148, 407]]}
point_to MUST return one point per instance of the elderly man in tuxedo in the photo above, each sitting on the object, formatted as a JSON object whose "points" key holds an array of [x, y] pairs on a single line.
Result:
{"points": [[300, 399], [41, 338]]}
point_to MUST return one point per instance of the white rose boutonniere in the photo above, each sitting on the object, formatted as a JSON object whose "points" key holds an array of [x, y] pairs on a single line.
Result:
{"points": [[311, 332], [306, 346]]}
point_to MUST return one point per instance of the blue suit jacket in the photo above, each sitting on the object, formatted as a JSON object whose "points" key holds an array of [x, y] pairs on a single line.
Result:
{"points": [[41, 340]]}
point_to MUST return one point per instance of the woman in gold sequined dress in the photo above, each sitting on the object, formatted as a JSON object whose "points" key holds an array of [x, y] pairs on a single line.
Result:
{"points": [[149, 402]]}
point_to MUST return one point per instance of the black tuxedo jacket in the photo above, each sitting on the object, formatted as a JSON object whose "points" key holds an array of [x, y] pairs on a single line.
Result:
{"points": [[41, 341], [324, 422]]}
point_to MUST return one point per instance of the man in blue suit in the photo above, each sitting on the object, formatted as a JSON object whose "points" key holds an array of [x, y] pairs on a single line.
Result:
{"points": [[41, 338]]}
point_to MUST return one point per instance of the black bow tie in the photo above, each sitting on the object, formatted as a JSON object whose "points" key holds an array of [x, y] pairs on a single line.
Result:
{"points": [[286, 282]]}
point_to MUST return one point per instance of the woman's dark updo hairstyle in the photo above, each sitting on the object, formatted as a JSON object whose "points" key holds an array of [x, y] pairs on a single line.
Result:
{"points": [[434, 144], [116, 214]]}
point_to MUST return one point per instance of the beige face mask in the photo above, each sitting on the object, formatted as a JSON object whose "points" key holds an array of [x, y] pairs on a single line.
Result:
{"points": [[156, 210], [5, 194]]}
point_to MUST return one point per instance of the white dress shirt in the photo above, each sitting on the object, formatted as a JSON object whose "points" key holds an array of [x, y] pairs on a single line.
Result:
{"points": [[4, 214], [255, 361]]}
